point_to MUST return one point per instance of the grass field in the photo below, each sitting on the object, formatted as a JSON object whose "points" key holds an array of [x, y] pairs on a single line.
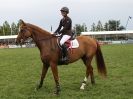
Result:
{"points": [[20, 71]]}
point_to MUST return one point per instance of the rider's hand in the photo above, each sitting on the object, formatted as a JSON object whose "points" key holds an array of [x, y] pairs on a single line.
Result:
{"points": [[55, 34]]}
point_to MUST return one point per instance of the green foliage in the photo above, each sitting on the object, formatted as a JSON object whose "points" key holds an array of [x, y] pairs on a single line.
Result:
{"points": [[93, 27], [114, 25], [7, 29], [20, 71], [111, 25], [1, 30], [99, 26], [106, 26], [80, 28], [14, 28]]}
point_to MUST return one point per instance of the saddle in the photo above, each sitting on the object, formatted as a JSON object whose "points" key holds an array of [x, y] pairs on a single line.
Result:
{"points": [[70, 44]]}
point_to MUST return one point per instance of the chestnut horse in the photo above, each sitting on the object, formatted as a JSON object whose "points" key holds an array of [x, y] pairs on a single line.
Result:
{"points": [[49, 53]]}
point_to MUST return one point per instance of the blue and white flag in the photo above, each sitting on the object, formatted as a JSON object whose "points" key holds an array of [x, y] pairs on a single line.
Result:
{"points": [[130, 17]]}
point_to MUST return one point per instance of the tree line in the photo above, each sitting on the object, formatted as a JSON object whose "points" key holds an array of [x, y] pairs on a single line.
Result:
{"points": [[7, 29], [111, 25]]}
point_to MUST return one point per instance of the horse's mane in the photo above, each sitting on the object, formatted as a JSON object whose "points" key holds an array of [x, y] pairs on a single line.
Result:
{"points": [[38, 29]]}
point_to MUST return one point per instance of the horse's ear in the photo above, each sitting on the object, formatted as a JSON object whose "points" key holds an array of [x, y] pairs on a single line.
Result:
{"points": [[21, 22]]}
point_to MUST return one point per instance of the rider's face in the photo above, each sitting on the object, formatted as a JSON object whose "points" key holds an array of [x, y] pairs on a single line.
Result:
{"points": [[63, 13]]}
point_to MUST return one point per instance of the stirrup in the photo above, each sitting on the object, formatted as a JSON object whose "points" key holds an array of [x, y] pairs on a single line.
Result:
{"points": [[64, 60]]}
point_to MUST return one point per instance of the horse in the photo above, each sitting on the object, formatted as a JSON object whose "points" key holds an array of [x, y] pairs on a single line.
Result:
{"points": [[50, 52]]}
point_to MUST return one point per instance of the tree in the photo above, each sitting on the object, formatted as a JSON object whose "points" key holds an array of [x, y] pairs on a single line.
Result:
{"points": [[121, 28], [6, 28], [14, 29], [99, 26], [80, 28], [111, 25], [84, 27], [106, 26], [93, 27], [1, 30], [114, 25]]}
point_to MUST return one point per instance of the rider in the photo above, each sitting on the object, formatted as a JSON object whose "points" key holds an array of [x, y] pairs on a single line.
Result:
{"points": [[66, 31]]}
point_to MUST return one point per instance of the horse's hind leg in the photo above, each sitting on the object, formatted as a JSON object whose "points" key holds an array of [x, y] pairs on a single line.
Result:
{"points": [[91, 74], [89, 71]]}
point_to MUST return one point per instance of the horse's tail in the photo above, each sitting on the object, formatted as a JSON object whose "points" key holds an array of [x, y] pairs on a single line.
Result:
{"points": [[100, 61]]}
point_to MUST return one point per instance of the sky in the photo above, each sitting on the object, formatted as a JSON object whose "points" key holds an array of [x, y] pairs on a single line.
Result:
{"points": [[46, 13]]}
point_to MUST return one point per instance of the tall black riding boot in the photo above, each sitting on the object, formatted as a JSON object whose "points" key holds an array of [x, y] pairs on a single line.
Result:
{"points": [[65, 53]]}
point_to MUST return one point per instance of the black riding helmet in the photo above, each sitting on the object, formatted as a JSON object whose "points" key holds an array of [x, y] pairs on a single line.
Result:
{"points": [[65, 9]]}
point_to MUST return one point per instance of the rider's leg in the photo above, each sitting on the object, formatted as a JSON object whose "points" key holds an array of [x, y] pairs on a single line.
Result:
{"points": [[64, 47], [64, 39]]}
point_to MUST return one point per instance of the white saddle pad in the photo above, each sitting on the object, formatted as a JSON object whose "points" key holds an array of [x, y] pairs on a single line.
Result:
{"points": [[74, 43]]}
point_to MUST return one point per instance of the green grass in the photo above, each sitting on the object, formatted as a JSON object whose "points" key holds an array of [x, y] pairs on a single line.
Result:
{"points": [[20, 71]]}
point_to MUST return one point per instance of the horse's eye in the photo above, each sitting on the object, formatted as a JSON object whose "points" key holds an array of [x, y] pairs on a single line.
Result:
{"points": [[22, 31]]}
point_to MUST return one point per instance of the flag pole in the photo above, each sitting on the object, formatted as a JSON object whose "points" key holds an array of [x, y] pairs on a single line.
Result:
{"points": [[128, 21]]}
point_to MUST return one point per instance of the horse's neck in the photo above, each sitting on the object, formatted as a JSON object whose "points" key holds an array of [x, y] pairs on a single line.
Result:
{"points": [[40, 38], [40, 34]]}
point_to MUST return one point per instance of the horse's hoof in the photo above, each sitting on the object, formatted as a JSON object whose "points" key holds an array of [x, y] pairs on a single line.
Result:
{"points": [[93, 82], [56, 93], [38, 87], [82, 86], [35, 90]]}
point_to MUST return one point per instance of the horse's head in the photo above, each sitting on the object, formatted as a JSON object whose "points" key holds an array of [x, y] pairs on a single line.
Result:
{"points": [[24, 32]]}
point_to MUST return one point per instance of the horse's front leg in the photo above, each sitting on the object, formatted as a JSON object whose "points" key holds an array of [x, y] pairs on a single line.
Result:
{"points": [[44, 72], [56, 78]]}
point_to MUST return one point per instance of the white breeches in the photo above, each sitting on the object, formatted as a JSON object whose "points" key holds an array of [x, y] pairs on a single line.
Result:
{"points": [[64, 39]]}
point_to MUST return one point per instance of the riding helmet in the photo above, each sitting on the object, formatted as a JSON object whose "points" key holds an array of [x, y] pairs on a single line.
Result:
{"points": [[65, 9]]}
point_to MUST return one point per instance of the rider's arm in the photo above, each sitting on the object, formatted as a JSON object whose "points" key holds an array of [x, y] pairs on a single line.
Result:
{"points": [[59, 27]]}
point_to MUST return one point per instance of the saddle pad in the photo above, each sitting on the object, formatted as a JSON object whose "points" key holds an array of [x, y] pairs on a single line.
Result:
{"points": [[74, 43]]}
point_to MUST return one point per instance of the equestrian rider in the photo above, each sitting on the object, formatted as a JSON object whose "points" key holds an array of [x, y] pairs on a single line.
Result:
{"points": [[66, 31]]}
